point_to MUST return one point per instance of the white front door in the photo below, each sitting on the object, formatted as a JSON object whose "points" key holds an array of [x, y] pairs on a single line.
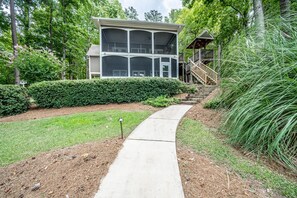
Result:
{"points": [[165, 67]]}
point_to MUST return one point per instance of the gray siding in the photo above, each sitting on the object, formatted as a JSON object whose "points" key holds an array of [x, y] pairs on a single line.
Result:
{"points": [[94, 64]]}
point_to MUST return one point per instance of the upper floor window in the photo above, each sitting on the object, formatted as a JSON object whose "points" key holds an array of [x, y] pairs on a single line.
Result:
{"points": [[114, 40], [140, 42], [165, 43]]}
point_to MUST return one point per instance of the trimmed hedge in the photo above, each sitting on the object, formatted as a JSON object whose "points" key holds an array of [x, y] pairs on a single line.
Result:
{"points": [[103, 91], [13, 100]]}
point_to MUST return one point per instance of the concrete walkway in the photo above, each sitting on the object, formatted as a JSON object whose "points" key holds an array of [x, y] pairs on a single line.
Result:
{"points": [[146, 166]]}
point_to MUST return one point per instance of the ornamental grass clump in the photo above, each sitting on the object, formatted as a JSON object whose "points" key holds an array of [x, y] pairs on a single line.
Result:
{"points": [[261, 93]]}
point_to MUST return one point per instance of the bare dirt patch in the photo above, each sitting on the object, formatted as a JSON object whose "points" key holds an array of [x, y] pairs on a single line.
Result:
{"points": [[74, 171], [203, 178], [37, 113], [210, 118]]}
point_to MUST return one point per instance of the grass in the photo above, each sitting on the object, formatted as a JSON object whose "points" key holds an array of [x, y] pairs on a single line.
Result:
{"points": [[202, 140], [21, 140]]}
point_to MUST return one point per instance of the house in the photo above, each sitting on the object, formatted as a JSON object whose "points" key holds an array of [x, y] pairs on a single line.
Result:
{"points": [[134, 49]]}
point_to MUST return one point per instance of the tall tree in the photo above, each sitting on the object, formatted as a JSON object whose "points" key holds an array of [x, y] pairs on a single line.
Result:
{"points": [[131, 13], [259, 18], [153, 16], [14, 41], [173, 15]]}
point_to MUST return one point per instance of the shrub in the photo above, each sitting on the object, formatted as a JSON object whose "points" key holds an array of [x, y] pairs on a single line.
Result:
{"points": [[13, 100], [89, 92], [214, 103], [37, 65], [262, 94], [161, 101]]}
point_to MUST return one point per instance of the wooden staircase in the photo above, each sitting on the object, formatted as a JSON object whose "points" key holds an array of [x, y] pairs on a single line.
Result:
{"points": [[202, 92], [204, 74]]}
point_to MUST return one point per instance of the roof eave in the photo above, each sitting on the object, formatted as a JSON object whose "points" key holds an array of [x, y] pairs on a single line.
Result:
{"points": [[138, 24]]}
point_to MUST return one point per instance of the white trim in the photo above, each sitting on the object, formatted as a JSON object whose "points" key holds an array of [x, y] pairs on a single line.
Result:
{"points": [[90, 77], [137, 24]]}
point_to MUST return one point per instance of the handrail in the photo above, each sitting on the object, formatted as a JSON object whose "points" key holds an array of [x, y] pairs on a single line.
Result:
{"points": [[198, 72], [210, 73], [208, 67]]}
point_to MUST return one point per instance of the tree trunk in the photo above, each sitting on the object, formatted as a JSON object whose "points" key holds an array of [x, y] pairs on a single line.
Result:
{"points": [[26, 21], [64, 41], [14, 41], [259, 18], [51, 26], [284, 8]]}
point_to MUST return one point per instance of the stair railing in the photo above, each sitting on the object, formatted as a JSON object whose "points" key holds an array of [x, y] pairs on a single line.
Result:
{"points": [[213, 75], [199, 73]]}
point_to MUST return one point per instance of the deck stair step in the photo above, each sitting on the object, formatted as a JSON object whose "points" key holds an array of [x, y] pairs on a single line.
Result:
{"points": [[202, 92]]}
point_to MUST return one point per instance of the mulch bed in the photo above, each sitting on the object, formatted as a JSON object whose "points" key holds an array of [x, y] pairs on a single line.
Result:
{"points": [[74, 171], [201, 177]]}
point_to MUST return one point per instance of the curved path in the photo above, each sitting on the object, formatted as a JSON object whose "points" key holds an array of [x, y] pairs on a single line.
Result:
{"points": [[147, 165]]}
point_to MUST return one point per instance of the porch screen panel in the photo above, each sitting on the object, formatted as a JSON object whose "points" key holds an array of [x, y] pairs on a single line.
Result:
{"points": [[140, 42], [173, 68], [165, 43], [114, 40], [116, 66], [140, 66], [157, 67]]}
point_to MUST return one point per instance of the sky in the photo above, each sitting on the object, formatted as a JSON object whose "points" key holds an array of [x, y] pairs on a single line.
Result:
{"points": [[142, 6]]}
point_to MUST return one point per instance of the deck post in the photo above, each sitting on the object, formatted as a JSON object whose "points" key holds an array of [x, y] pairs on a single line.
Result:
{"points": [[219, 64]]}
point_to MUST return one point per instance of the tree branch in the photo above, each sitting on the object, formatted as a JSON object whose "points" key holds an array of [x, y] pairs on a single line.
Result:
{"points": [[233, 7]]}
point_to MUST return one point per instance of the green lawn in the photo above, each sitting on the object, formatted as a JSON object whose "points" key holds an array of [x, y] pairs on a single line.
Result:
{"points": [[20, 140], [205, 141]]}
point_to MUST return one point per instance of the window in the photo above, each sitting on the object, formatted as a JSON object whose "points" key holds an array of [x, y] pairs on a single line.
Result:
{"points": [[114, 66], [114, 40], [140, 42], [141, 66], [165, 43]]}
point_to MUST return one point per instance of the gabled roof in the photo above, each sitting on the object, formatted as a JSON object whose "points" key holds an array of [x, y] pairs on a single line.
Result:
{"points": [[94, 50], [201, 41], [137, 24]]}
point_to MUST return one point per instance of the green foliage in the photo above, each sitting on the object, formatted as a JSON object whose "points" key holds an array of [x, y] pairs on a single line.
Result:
{"points": [[207, 142], [214, 103], [131, 13], [21, 140], [6, 70], [103, 91], [261, 93], [161, 101], [37, 65], [13, 100], [223, 19], [188, 88], [63, 26], [153, 16]]}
